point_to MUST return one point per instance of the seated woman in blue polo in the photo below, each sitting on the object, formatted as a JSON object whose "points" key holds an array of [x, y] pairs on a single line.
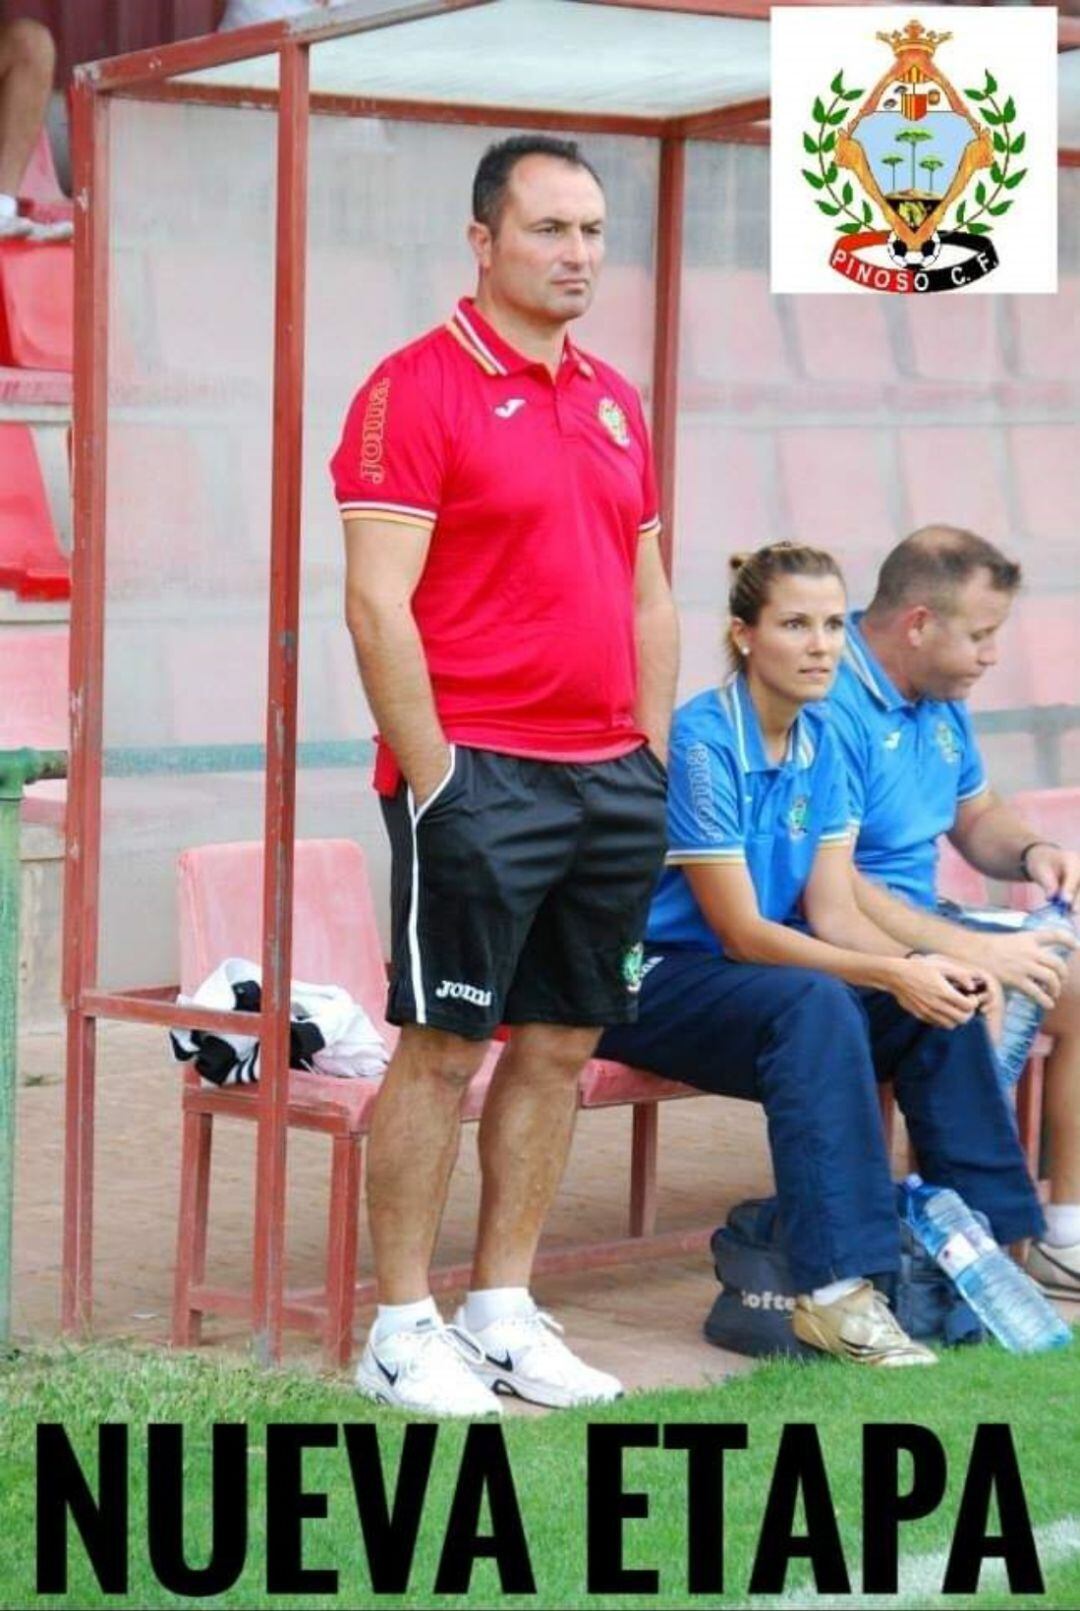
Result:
{"points": [[763, 980]]}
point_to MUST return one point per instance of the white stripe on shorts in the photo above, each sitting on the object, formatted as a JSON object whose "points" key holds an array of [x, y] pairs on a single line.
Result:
{"points": [[416, 973]]}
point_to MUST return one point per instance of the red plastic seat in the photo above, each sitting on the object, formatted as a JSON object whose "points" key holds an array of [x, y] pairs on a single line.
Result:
{"points": [[27, 388], [957, 879], [1048, 631], [845, 340], [33, 690], [1044, 460], [952, 476], [731, 335], [31, 562], [957, 345], [335, 939], [1044, 325], [621, 318], [36, 305], [815, 464], [725, 504], [605, 1085], [39, 182]]}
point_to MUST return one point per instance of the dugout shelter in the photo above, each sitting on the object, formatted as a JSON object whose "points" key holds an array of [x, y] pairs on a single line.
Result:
{"points": [[261, 216]]}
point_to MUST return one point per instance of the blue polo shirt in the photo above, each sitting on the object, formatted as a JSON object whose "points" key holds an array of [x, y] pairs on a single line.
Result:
{"points": [[910, 763], [728, 802]]}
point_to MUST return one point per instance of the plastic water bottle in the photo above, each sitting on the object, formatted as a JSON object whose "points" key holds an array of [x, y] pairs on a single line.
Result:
{"points": [[1007, 1301], [1022, 1015]]}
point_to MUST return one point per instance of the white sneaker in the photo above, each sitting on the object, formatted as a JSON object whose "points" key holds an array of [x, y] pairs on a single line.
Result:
{"points": [[1056, 1269], [427, 1369], [523, 1354]]}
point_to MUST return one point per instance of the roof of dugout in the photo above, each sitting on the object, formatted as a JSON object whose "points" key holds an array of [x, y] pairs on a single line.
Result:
{"points": [[692, 67]]}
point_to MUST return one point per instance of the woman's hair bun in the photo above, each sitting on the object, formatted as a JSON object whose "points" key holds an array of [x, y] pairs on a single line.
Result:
{"points": [[737, 561]]}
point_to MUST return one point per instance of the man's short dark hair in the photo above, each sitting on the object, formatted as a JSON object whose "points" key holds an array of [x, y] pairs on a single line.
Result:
{"points": [[499, 161], [929, 566]]}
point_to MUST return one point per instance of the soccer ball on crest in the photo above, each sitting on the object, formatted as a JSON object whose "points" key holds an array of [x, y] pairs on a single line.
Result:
{"points": [[919, 257]]}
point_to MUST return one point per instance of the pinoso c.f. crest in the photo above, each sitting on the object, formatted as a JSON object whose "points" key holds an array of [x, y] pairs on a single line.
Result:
{"points": [[915, 172]]}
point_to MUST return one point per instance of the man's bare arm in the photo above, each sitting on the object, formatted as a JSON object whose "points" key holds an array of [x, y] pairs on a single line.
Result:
{"points": [[1021, 961], [913, 926], [383, 564], [993, 836], [656, 628]]}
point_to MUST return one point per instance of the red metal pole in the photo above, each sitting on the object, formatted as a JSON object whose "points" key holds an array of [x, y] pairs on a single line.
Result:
{"points": [[292, 158], [665, 400], [90, 155]]}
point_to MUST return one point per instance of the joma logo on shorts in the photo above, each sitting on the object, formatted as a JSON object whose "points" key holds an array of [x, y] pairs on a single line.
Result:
{"points": [[450, 988]]}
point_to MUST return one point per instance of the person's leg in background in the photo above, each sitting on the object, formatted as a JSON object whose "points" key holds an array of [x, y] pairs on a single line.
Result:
{"points": [[1055, 1259], [796, 1041], [958, 1118], [27, 63]]}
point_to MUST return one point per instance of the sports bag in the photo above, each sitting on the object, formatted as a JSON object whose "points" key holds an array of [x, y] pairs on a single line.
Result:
{"points": [[752, 1314]]}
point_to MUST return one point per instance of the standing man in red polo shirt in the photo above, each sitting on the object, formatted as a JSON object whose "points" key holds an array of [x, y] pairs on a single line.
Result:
{"points": [[518, 645]]}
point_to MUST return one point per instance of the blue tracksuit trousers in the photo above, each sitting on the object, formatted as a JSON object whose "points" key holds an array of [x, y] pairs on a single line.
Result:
{"points": [[810, 1049]]}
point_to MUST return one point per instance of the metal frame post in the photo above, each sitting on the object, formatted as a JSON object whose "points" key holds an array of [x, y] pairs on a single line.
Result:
{"points": [[291, 250], [17, 768], [670, 204], [83, 832]]}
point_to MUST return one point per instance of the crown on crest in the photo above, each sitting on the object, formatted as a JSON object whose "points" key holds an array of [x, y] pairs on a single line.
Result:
{"points": [[914, 37]]}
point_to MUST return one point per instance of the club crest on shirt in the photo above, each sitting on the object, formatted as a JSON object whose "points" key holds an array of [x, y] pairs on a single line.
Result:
{"points": [[796, 817], [891, 741], [945, 739], [613, 420], [633, 967]]}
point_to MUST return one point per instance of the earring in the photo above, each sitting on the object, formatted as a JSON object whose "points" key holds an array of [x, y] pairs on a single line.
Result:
{"points": [[744, 648]]}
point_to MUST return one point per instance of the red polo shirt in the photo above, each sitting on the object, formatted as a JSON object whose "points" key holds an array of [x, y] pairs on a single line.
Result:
{"points": [[536, 492]]}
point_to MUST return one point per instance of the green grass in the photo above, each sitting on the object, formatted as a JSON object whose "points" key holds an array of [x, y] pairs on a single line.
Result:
{"points": [[80, 1388]]}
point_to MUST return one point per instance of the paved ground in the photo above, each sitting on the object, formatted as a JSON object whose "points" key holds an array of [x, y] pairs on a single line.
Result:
{"points": [[643, 1322]]}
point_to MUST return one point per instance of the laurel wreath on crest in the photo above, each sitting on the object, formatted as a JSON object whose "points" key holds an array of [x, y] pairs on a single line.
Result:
{"points": [[828, 115], [1007, 144]]}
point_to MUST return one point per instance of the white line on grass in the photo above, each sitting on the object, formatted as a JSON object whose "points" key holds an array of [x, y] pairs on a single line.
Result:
{"points": [[921, 1576]]}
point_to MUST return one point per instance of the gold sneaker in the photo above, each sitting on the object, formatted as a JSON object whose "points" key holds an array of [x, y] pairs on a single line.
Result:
{"points": [[860, 1327]]}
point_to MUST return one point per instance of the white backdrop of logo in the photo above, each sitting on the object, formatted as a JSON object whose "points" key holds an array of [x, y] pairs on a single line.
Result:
{"points": [[914, 149]]}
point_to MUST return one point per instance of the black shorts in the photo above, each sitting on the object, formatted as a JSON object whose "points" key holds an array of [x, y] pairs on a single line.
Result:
{"points": [[519, 891]]}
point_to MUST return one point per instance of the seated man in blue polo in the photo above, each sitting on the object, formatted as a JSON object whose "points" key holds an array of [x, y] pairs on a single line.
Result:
{"points": [[763, 980], [915, 772]]}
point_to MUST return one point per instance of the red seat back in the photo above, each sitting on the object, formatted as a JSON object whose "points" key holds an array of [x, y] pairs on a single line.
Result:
{"points": [[36, 304], [335, 936], [31, 562], [957, 879], [33, 690], [39, 182]]}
